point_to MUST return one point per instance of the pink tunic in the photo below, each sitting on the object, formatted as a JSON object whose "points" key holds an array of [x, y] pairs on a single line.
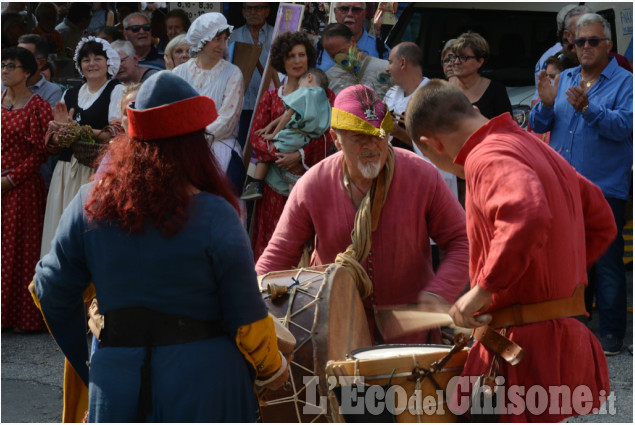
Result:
{"points": [[534, 226], [419, 206], [23, 153]]}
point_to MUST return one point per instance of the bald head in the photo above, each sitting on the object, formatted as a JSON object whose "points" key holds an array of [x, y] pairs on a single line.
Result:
{"points": [[410, 52]]}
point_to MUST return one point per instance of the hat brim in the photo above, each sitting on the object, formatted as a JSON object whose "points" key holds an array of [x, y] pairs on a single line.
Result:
{"points": [[174, 119]]}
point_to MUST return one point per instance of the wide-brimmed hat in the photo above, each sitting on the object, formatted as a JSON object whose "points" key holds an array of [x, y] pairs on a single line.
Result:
{"points": [[168, 106], [359, 109]]}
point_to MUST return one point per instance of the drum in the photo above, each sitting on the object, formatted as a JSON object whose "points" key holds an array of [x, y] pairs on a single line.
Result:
{"points": [[321, 307], [381, 382]]}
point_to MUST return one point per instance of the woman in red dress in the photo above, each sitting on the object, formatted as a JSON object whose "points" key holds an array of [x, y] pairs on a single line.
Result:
{"points": [[25, 117], [291, 54]]}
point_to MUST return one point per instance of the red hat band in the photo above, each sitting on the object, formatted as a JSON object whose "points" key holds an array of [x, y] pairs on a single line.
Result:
{"points": [[174, 119]]}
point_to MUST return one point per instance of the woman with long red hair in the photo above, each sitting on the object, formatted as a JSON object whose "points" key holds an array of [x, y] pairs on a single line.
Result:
{"points": [[185, 332]]}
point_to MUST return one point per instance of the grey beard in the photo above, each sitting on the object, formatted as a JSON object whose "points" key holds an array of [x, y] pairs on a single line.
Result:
{"points": [[369, 170]]}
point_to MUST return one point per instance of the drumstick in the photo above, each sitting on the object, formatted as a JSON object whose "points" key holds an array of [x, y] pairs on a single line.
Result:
{"points": [[399, 117]]}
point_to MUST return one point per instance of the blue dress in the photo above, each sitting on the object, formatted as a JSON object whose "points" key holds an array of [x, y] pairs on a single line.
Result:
{"points": [[205, 272]]}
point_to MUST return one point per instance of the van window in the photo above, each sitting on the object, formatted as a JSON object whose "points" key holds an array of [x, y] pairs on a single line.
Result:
{"points": [[516, 38]]}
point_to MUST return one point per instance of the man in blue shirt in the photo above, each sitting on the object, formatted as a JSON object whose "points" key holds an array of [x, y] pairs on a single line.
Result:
{"points": [[589, 111], [352, 15], [138, 31], [255, 31], [39, 46]]}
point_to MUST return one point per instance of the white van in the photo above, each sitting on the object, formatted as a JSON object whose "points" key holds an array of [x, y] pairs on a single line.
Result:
{"points": [[517, 33]]}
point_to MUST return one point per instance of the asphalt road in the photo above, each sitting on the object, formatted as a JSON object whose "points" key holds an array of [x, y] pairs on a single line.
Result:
{"points": [[33, 368]]}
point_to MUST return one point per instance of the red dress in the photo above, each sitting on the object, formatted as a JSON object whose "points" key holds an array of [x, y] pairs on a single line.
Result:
{"points": [[269, 208], [23, 153]]}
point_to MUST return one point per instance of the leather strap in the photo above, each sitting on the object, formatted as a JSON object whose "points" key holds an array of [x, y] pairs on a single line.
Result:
{"points": [[499, 344], [524, 314]]}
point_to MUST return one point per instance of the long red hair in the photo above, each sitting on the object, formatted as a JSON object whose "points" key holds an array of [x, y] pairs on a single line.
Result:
{"points": [[149, 180]]}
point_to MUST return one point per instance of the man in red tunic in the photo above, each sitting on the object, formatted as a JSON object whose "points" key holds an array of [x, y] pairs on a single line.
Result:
{"points": [[534, 227]]}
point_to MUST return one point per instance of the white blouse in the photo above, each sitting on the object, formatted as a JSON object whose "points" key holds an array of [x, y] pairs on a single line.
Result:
{"points": [[224, 84], [85, 99]]}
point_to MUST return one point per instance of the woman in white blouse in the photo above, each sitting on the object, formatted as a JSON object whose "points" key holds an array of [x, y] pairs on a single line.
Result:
{"points": [[96, 103], [213, 76]]}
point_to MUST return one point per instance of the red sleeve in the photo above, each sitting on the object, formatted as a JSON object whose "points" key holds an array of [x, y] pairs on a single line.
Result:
{"points": [[293, 231], [318, 148], [39, 116], [599, 223], [263, 115]]}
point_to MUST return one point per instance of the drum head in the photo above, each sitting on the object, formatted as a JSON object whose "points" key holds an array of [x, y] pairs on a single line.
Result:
{"points": [[396, 350]]}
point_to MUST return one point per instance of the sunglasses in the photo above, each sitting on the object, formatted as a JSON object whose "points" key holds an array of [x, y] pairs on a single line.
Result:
{"points": [[10, 66], [593, 41], [461, 58], [355, 9], [137, 28]]}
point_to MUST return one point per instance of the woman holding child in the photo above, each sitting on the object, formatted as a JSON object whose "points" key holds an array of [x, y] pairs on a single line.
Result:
{"points": [[291, 54]]}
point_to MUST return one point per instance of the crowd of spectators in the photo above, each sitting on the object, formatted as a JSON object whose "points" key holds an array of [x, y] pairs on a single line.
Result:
{"points": [[128, 45]]}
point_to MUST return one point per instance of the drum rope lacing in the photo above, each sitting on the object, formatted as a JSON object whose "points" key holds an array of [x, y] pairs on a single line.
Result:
{"points": [[419, 373], [298, 286]]}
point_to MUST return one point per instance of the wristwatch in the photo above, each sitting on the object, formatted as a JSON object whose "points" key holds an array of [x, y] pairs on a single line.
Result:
{"points": [[583, 110]]}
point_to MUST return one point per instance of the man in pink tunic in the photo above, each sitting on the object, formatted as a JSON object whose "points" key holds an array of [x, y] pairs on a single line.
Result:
{"points": [[418, 206], [535, 226]]}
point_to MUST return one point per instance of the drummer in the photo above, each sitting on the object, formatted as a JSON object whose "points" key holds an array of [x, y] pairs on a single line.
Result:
{"points": [[535, 227], [400, 202]]}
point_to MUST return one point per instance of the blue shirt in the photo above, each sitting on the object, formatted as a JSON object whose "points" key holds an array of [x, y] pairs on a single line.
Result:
{"points": [[367, 44], [598, 144], [243, 35], [153, 60]]}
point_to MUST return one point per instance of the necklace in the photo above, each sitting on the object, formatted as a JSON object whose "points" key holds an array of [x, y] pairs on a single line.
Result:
{"points": [[591, 82], [357, 187], [18, 101]]}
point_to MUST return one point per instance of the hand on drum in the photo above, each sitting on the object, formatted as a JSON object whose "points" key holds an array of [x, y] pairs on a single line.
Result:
{"points": [[279, 381], [475, 300]]}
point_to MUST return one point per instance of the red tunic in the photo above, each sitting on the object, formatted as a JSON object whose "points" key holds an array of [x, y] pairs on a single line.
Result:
{"points": [[534, 227], [269, 208], [23, 206]]}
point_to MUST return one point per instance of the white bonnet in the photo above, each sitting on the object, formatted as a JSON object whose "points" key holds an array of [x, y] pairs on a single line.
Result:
{"points": [[113, 60], [205, 28]]}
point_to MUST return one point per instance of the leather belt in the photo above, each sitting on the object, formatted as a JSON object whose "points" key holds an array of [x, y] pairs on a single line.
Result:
{"points": [[524, 314]]}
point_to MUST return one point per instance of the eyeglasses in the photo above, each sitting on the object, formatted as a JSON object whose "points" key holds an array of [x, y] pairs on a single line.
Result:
{"points": [[10, 66], [461, 59], [355, 9], [137, 28], [249, 9], [123, 59], [593, 41]]}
